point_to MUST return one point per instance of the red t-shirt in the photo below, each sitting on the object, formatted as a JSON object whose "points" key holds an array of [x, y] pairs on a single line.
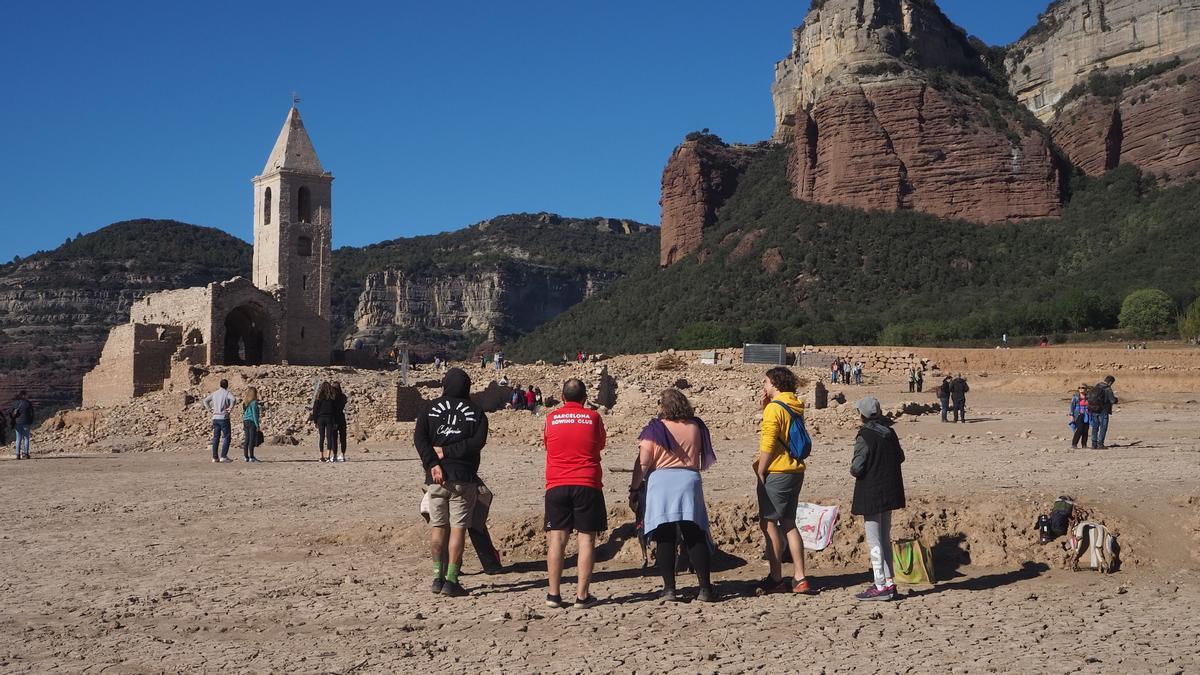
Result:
{"points": [[574, 436]]}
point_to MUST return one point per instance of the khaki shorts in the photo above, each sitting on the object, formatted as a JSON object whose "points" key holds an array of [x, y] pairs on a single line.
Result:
{"points": [[452, 504]]}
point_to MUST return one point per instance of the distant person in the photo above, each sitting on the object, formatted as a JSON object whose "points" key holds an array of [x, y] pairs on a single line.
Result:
{"points": [[779, 480], [943, 396], [858, 368], [574, 436], [449, 440], [958, 397], [673, 448], [483, 361], [516, 400], [1004, 340], [1044, 342], [920, 380], [834, 372], [22, 414], [339, 416], [497, 360], [878, 490], [846, 371], [912, 379], [219, 404], [537, 397], [1081, 416], [324, 415], [251, 423], [1101, 400], [531, 400]]}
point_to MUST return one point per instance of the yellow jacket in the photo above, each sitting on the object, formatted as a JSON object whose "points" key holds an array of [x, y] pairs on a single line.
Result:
{"points": [[773, 438]]}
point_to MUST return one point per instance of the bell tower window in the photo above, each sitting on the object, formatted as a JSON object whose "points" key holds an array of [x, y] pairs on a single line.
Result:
{"points": [[304, 247], [267, 207], [304, 205]]}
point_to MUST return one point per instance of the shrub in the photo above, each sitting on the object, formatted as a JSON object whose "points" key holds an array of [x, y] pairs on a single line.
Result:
{"points": [[1189, 322], [1146, 312]]}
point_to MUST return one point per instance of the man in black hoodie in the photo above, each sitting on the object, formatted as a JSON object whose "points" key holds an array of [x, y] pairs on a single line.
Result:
{"points": [[449, 438]]}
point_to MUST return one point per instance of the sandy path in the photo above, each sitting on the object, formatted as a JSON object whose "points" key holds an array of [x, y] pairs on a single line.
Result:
{"points": [[163, 562]]}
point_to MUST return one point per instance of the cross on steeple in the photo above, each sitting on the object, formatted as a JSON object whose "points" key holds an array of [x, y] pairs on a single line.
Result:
{"points": [[295, 99]]}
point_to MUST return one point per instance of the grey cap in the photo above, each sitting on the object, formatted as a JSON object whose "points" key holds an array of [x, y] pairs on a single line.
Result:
{"points": [[869, 406]]}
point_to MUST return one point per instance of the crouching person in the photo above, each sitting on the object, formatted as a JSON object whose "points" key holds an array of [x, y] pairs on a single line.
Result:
{"points": [[449, 438], [878, 490]]}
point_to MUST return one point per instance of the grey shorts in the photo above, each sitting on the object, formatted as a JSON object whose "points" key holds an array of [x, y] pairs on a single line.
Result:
{"points": [[778, 495], [452, 504]]}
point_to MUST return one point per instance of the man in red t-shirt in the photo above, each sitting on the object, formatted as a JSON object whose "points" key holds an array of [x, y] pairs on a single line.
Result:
{"points": [[574, 437]]}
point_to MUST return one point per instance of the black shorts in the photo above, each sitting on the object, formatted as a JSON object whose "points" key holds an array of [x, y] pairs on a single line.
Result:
{"points": [[574, 507]]}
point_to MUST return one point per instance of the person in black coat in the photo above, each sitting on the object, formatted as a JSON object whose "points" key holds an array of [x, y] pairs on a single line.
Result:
{"points": [[878, 490], [339, 416], [324, 413], [449, 438], [958, 395]]}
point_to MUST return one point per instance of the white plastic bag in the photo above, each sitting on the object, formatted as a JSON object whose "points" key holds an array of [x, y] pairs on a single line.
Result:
{"points": [[816, 524]]}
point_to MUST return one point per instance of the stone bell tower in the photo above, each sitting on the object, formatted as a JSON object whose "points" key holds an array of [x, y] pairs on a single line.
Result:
{"points": [[293, 231]]}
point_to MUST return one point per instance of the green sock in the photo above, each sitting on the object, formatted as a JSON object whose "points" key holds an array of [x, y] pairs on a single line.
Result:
{"points": [[437, 569], [452, 572]]}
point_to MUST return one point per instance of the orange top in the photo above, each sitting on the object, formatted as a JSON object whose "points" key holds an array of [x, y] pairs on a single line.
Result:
{"points": [[686, 456]]}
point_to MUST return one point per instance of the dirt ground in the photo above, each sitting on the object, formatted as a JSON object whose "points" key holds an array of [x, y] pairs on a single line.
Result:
{"points": [[164, 562]]}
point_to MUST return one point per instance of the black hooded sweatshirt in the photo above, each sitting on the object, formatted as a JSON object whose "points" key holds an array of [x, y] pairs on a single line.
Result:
{"points": [[455, 424]]}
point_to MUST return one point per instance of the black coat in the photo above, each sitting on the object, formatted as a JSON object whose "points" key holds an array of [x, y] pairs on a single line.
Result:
{"points": [[959, 389], [876, 466], [456, 425], [324, 411]]}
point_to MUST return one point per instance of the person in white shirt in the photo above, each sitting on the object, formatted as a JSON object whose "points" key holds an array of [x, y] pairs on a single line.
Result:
{"points": [[220, 403]]}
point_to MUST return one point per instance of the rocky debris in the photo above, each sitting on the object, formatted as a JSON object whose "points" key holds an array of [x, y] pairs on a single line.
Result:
{"points": [[1152, 125], [1075, 38], [701, 174], [871, 129]]}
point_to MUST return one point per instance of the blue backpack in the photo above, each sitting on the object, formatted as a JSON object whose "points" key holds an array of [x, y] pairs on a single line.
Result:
{"points": [[798, 441]]}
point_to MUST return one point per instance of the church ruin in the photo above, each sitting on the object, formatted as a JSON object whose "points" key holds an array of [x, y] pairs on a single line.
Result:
{"points": [[280, 315]]}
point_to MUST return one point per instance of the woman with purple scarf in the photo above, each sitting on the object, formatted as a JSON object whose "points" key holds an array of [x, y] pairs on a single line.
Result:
{"points": [[672, 451]]}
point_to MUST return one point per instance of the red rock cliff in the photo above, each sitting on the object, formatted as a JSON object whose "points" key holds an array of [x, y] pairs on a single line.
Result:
{"points": [[873, 129], [701, 174]]}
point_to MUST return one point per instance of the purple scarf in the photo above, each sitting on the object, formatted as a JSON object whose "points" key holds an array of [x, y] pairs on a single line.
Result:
{"points": [[656, 432]]}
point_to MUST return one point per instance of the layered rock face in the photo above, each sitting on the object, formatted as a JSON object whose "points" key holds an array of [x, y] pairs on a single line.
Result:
{"points": [[1074, 38], [701, 174], [1153, 125], [498, 303], [1078, 70], [872, 129]]}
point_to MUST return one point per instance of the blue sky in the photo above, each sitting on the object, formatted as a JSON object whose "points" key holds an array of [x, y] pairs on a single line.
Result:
{"points": [[432, 116]]}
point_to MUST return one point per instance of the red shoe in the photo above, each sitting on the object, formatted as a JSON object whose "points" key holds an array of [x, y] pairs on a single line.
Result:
{"points": [[802, 587], [768, 587]]}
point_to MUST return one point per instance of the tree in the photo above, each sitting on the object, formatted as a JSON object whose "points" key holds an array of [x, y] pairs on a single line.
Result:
{"points": [[1146, 312], [1189, 322]]}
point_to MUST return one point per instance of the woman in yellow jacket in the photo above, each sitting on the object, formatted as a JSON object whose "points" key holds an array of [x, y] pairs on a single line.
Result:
{"points": [[779, 481]]}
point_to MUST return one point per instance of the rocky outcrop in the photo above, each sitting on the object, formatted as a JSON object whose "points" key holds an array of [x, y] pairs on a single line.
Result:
{"points": [[887, 106], [1075, 38], [496, 303], [1154, 126], [701, 174], [1116, 82], [910, 146]]}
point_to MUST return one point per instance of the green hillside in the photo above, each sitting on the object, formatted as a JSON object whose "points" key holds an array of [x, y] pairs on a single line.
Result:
{"points": [[776, 269]]}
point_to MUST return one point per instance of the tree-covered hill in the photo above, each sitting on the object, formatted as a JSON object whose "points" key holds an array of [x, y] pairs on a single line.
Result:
{"points": [[776, 269]]}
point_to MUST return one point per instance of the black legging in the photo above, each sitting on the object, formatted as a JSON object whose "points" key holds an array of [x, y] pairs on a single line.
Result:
{"points": [[341, 434], [1081, 432], [697, 547], [326, 431], [250, 432]]}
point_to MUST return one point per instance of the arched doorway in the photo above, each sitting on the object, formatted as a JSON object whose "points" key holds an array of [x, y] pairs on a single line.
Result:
{"points": [[246, 328]]}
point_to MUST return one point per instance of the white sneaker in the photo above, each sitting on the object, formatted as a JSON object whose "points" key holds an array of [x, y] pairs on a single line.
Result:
{"points": [[225, 460], [215, 460]]}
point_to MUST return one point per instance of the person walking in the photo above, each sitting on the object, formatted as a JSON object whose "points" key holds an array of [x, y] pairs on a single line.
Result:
{"points": [[673, 448], [22, 413], [779, 480], [324, 414], [1101, 400], [1080, 416], [251, 423], [219, 404], [339, 417], [943, 396], [958, 397], [449, 439], [574, 437], [878, 490]]}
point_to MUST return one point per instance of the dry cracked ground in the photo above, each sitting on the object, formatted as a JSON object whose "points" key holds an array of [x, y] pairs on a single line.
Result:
{"points": [[164, 562]]}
